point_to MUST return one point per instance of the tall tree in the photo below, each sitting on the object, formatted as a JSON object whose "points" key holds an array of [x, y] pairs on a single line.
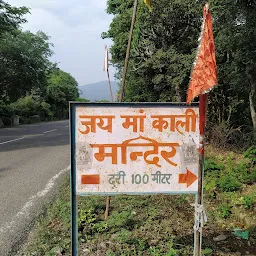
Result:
{"points": [[11, 17], [235, 100], [61, 89], [163, 47], [23, 63]]}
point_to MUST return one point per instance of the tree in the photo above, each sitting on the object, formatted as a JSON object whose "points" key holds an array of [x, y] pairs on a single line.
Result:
{"points": [[27, 78], [163, 47], [23, 63], [60, 77], [31, 104], [235, 38], [11, 17], [61, 89], [163, 50]]}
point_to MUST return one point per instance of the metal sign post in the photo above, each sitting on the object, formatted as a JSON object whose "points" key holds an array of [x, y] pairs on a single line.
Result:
{"points": [[73, 199], [134, 149]]}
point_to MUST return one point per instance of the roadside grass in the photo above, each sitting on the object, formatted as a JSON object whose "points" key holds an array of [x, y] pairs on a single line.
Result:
{"points": [[159, 224], [52, 229]]}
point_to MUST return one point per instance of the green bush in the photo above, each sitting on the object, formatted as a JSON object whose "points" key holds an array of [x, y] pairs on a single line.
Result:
{"points": [[211, 166], [31, 105], [253, 175], [249, 201], [44, 109], [231, 176], [228, 183], [6, 110], [213, 171], [82, 100], [86, 219], [123, 236], [7, 121], [207, 251], [120, 220], [210, 187], [155, 251], [224, 210], [242, 172], [250, 154], [245, 171]]}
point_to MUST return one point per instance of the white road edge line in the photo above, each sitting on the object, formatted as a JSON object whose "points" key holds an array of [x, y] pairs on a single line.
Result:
{"points": [[67, 126], [50, 130], [25, 210], [12, 140]]}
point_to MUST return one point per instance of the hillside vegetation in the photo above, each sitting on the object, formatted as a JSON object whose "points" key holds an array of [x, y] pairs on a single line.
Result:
{"points": [[31, 86], [160, 224], [163, 50]]}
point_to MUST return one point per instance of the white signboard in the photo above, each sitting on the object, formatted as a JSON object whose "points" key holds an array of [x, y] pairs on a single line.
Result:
{"points": [[135, 148]]}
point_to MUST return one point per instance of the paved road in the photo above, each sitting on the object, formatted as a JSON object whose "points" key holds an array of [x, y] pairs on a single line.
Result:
{"points": [[33, 159]]}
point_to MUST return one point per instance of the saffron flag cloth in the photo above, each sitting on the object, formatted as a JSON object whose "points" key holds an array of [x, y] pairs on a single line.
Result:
{"points": [[204, 74], [148, 4], [106, 59]]}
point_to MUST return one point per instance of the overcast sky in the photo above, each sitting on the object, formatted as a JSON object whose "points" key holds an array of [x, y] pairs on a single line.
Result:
{"points": [[75, 27]]}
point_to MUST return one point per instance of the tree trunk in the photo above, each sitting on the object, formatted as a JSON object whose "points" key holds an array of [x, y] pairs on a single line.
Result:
{"points": [[252, 108]]}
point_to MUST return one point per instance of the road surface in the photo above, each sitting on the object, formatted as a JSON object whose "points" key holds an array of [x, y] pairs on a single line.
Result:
{"points": [[33, 159]]}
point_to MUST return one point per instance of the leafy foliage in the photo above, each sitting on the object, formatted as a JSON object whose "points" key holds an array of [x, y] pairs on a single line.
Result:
{"points": [[207, 251], [11, 17], [224, 210], [249, 201], [210, 165], [227, 176], [163, 50], [229, 183], [24, 63], [30, 105], [25, 68], [151, 225], [62, 88], [250, 154]]}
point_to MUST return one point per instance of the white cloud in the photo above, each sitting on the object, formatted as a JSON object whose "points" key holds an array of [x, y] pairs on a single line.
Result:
{"points": [[75, 28], [44, 4]]}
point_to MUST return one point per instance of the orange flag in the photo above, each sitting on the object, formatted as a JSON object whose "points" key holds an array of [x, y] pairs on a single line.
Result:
{"points": [[204, 74]]}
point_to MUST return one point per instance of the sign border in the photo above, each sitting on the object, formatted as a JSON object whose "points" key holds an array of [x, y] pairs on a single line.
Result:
{"points": [[73, 106], [72, 134]]}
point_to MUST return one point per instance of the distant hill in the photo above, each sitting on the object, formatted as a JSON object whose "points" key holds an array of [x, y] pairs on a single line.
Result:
{"points": [[98, 91]]}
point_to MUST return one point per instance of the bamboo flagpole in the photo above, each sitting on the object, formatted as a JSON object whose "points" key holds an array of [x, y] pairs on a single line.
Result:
{"points": [[203, 79], [128, 50], [135, 5], [124, 77], [199, 207], [111, 96], [106, 69]]}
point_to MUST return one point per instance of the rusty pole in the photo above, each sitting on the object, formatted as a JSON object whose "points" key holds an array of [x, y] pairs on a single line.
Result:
{"points": [[128, 50]]}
